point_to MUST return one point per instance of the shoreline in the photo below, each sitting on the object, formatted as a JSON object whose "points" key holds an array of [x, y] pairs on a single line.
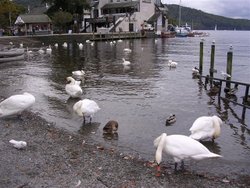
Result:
{"points": [[57, 158]]}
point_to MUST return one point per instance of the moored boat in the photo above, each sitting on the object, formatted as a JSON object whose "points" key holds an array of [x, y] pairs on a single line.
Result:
{"points": [[12, 58], [14, 54]]}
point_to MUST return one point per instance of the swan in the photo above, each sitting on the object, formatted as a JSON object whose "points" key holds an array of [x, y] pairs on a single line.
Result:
{"points": [[18, 144], [180, 147], [125, 63], [21, 45], [16, 104], [86, 108], [206, 127], [171, 119], [127, 50], [65, 45], [41, 51], [172, 64], [78, 73], [73, 87], [56, 45], [120, 40], [111, 127], [49, 50], [80, 45]]}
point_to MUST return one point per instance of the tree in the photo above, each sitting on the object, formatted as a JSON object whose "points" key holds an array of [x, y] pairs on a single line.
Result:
{"points": [[61, 20], [9, 12]]}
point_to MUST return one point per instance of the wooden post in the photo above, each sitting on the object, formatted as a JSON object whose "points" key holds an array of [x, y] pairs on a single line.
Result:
{"points": [[201, 57], [229, 65], [211, 70]]}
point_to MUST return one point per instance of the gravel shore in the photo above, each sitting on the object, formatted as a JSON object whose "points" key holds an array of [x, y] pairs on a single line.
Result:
{"points": [[58, 158]]}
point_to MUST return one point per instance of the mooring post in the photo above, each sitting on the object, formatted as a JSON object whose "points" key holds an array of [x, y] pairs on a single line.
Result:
{"points": [[201, 57], [229, 65], [211, 70]]}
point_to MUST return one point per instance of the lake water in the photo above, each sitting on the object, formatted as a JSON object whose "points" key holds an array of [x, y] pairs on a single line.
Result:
{"points": [[140, 97]]}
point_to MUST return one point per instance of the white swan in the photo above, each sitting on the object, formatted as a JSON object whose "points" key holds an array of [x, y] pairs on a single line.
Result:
{"points": [[65, 45], [80, 45], [73, 88], [16, 104], [206, 127], [180, 147], [41, 51], [78, 73], [172, 64], [56, 45], [125, 63], [49, 50], [127, 50], [18, 144], [86, 108]]}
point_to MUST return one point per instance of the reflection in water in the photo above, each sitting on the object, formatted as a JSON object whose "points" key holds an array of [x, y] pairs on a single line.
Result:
{"points": [[110, 136], [212, 146], [138, 97]]}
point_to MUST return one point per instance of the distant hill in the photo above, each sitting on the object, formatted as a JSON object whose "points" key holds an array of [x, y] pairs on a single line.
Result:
{"points": [[200, 20]]}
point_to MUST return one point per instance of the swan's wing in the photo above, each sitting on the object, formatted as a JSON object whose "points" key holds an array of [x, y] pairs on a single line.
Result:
{"points": [[202, 128]]}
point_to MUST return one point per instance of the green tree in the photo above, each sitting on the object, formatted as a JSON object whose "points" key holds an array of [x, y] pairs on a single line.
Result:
{"points": [[9, 12], [61, 20]]}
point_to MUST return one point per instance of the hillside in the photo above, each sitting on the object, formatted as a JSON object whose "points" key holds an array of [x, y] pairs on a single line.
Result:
{"points": [[204, 21]]}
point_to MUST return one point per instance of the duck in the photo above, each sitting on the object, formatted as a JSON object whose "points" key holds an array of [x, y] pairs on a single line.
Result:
{"points": [[78, 73], [16, 104], [110, 127], [86, 108], [171, 119], [18, 144], [125, 62], [206, 127], [73, 88], [180, 147], [195, 71], [127, 50], [233, 91], [172, 64]]}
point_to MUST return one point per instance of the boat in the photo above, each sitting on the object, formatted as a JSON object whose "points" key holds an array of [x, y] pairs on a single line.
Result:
{"points": [[184, 31], [12, 58], [168, 34], [12, 52]]}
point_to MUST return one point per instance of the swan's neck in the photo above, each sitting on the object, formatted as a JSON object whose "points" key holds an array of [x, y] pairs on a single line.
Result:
{"points": [[161, 144]]}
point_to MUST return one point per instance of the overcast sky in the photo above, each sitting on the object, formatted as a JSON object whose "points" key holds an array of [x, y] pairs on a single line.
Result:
{"points": [[227, 8]]}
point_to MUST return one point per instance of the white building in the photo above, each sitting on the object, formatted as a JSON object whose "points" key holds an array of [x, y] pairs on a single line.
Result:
{"points": [[125, 15]]}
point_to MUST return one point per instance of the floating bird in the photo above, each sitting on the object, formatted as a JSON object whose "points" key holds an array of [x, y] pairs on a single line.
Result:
{"points": [[127, 50], [21, 45], [49, 50], [78, 73], [41, 51], [86, 108], [206, 127], [28, 51], [56, 45], [225, 75], [180, 147], [73, 87], [233, 91], [125, 63], [111, 127], [65, 45], [195, 71], [80, 45], [88, 41], [16, 104], [171, 119], [120, 40], [18, 144], [172, 64]]}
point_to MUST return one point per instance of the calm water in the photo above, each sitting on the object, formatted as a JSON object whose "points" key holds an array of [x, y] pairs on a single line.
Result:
{"points": [[142, 96]]}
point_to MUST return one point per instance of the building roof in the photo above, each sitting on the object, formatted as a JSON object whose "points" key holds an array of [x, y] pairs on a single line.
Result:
{"points": [[35, 18], [120, 5]]}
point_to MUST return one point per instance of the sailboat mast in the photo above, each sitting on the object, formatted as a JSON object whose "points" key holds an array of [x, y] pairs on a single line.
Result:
{"points": [[180, 13]]}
